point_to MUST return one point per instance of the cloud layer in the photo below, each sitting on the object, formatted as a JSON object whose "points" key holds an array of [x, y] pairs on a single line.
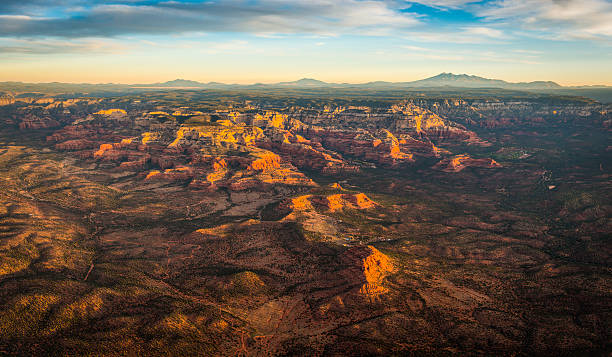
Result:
{"points": [[560, 18], [552, 19], [109, 19], [369, 39]]}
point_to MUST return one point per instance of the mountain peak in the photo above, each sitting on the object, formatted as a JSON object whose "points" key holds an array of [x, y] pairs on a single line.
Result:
{"points": [[452, 76], [305, 82], [472, 81], [182, 82], [309, 80]]}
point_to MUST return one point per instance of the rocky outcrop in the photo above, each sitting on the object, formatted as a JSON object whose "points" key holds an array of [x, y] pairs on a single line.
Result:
{"points": [[6, 100], [264, 162], [414, 118], [181, 173], [330, 203], [420, 147], [268, 143], [33, 122], [382, 147], [217, 136], [76, 144], [454, 134], [369, 265], [309, 156], [497, 113], [459, 162], [118, 113], [266, 120], [404, 118], [75, 132]]}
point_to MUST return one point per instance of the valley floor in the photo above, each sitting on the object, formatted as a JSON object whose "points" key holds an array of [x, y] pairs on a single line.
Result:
{"points": [[514, 260]]}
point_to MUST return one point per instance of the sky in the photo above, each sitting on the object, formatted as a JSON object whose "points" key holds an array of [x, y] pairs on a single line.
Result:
{"points": [[348, 41]]}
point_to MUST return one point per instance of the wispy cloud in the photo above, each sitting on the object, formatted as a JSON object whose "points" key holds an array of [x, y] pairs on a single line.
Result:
{"points": [[453, 4], [322, 17], [528, 52], [484, 32], [545, 19], [551, 19], [418, 52], [234, 46], [564, 19], [9, 47], [504, 57], [462, 35], [513, 56]]}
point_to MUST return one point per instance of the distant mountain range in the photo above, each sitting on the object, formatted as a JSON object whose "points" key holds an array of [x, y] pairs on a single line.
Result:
{"points": [[444, 81], [441, 80], [467, 81]]}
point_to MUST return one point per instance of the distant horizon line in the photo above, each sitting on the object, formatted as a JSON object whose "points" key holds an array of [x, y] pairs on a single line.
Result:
{"points": [[306, 78]]}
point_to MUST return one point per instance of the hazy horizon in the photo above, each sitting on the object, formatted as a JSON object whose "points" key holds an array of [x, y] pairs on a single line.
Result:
{"points": [[289, 80]]}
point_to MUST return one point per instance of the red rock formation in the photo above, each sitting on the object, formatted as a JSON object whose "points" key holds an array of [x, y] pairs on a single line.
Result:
{"points": [[32, 122], [6, 100], [423, 147], [72, 132], [219, 164], [246, 184], [330, 203], [382, 148], [369, 265], [180, 173], [307, 156], [336, 186], [264, 162], [449, 133], [137, 164], [76, 144], [460, 162]]}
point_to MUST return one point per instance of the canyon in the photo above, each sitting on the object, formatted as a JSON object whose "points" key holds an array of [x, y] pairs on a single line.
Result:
{"points": [[237, 223]]}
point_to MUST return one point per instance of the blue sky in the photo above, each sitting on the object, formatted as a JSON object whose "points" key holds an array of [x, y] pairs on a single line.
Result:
{"points": [[246, 41]]}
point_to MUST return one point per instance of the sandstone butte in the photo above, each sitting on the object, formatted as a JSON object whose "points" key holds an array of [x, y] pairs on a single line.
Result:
{"points": [[111, 112], [266, 155], [34, 122], [219, 167], [6, 100], [103, 148], [283, 175], [224, 134], [148, 137], [336, 186], [76, 144], [420, 119], [177, 173], [330, 203], [304, 155], [270, 119], [260, 170], [381, 147], [112, 149], [373, 265], [460, 162], [265, 161]]}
